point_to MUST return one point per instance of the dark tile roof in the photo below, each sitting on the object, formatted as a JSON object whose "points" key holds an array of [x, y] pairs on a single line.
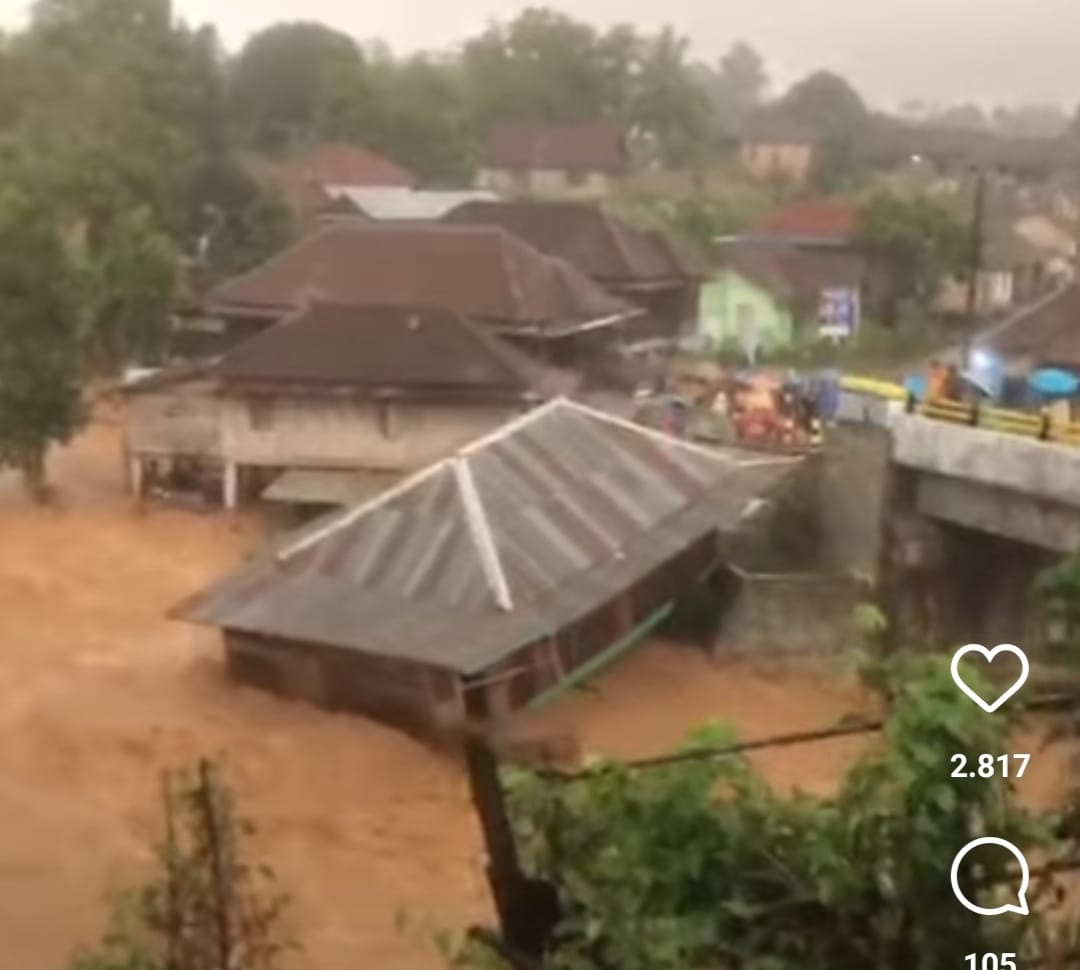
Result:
{"points": [[381, 348], [520, 533], [600, 244], [336, 163], [594, 146], [812, 219], [477, 271], [1048, 332]]}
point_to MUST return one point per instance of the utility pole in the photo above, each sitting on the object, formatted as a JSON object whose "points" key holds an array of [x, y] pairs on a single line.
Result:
{"points": [[527, 908], [976, 261]]}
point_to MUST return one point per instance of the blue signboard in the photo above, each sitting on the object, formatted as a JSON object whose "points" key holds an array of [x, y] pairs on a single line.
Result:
{"points": [[838, 313]]}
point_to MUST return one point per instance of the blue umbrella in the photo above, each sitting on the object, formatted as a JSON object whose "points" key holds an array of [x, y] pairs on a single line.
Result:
{"points": [[1054, 382], [915, 385]]}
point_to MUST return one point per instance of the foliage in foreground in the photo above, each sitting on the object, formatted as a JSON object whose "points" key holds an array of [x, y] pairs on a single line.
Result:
{"points": [[206, 907], [701, 864]]}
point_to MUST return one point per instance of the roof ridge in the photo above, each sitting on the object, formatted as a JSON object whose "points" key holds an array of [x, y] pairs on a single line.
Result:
{"points": [[349, 516], [688, 446], [480, 530], [302, 243], [511, 360]]}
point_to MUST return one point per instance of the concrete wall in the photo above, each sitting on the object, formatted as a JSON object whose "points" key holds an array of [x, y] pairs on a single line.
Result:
{"points": [[178, 420], [800, 615], [1034, 468], [854, 490], [328, 433], [1012, 515], [552, 183], [769, 160]]}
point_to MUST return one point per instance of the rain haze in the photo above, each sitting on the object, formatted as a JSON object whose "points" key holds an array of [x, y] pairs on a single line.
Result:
{"points": [[1001, 52]]}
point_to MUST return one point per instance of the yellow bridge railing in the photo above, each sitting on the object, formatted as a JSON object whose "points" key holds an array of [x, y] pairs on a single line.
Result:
{"points": [[1022, 423]]}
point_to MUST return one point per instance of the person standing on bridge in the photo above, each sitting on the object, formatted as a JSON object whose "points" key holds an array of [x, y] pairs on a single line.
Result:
{"points": [[936, 385]]}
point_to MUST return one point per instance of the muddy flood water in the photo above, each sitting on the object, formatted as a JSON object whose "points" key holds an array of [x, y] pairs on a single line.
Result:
{"points": [[99, 692]]}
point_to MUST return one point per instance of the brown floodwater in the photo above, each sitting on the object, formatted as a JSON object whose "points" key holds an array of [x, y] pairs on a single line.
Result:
{"points": [[99, 693]]}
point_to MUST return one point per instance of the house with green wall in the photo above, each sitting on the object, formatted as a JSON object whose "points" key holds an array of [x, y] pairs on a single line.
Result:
{"points": [[738, 309], [769, 295]]}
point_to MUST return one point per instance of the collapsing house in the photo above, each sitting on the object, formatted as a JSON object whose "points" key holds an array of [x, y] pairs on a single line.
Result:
{"points": [[494, 577]]}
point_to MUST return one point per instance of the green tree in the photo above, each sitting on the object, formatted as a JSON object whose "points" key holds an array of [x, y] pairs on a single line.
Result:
{"points": [[299, 83], [738, 86], [668, 104], [422, 118], [545, 65], [134, 273], [40, 353], [700, 863], [825, 104], [915, 243]]}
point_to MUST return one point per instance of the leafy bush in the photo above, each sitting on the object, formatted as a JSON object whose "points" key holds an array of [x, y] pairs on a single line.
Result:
{"points": [[699, 863], [207, 907]]}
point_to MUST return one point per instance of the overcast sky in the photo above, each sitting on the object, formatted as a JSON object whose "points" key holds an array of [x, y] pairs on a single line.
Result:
{"points": [[990, 51]]}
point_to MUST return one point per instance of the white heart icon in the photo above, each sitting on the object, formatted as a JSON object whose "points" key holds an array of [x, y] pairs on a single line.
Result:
{"points": [[1001, 648]]}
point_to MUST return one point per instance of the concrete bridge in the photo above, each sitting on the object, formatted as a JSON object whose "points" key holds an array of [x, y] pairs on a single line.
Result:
{"points": [[991, 481], [950, 523]]}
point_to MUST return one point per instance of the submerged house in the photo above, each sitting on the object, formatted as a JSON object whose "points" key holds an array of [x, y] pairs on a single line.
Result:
{"points": [[517, 565], [335, 403], [647, 269], [542, 304]]}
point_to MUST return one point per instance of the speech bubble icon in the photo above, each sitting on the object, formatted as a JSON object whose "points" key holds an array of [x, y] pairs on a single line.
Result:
{"points": [[1020, 906], [990, 655]]}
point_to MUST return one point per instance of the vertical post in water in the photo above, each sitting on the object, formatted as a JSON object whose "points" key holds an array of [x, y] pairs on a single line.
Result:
{"points": [[503, 867]]}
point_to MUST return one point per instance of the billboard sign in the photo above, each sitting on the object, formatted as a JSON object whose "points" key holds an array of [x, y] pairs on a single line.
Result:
{"points": [[838, 312]]}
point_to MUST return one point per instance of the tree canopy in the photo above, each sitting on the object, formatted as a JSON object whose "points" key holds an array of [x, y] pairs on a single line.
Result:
{"points": [[916, 241]]}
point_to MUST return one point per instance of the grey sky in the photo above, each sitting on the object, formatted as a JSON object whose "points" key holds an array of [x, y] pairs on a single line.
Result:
{"points": [[991, 51]]}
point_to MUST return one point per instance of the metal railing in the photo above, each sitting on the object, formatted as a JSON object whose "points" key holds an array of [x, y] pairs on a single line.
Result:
{"points": [[1023, 423]]}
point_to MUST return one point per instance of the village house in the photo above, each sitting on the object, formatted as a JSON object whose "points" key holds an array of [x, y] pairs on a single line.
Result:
{"points": [[495, 578], [766, 297], [645, 268], [310, 180], [777, 149], [1045, 334], [1013, 271], [798, 273], [542, 304], [333, 404], [582, 160]]}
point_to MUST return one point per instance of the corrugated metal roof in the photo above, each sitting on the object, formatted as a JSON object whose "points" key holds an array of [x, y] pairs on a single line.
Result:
{"points": [[405, 203], [573, 505], [322, 486]]}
